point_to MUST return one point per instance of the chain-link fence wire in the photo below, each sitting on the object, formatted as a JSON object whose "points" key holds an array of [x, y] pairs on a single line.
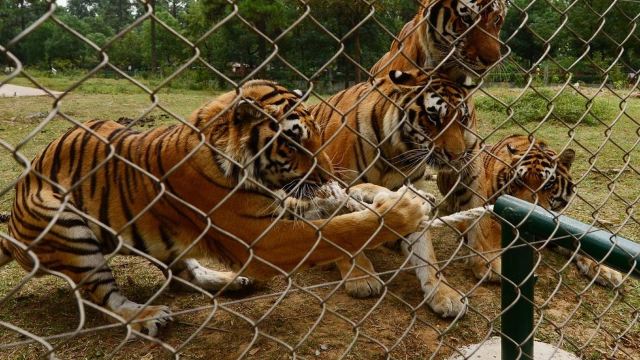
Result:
{"points": [[307, 313]]}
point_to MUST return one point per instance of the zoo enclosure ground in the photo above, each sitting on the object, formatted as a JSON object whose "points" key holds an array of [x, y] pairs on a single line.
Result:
{"points": [[45, 305]]}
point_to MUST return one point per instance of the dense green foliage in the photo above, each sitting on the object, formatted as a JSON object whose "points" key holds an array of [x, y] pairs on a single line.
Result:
{"points": [[330, 51], [584, 37]]}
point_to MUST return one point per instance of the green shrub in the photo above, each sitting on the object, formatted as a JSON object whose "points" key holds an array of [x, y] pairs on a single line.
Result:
{"points": [[534, 107]]}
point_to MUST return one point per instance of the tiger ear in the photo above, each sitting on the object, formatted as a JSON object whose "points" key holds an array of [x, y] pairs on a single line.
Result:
{"points": [[301, 94], [512, 150], [247, 111], [399, 77], [567, 157]]}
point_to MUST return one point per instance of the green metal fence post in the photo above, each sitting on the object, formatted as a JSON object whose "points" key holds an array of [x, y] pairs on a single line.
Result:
{"points": [[518, 263], [612, 250], [517, 319]]}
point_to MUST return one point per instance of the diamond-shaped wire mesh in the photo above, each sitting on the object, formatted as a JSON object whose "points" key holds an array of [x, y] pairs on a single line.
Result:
{"points": [[187, 157]]}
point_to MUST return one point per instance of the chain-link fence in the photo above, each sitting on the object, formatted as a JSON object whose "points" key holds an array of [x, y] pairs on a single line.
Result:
{"points": [[249, 182]]}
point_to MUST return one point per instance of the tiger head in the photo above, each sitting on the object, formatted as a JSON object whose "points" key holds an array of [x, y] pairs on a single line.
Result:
{"points": [[266, 134], [469, 30], [536, 173], [439, 121]]}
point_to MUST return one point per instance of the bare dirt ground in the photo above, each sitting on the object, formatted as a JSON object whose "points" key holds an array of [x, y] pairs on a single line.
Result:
{"points": [[10, 90]]}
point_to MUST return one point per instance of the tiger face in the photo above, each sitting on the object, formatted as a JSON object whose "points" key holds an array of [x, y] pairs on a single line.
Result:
{"points": [[464, 33], [274, 140], [439, 122], [536, 173]]}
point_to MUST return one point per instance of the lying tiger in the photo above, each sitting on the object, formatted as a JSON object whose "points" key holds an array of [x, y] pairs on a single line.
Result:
{"points": [[201, 189], [532, 171]]}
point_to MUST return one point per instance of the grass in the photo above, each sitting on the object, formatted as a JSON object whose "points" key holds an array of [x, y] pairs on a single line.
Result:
{"points": [[556, 105], [587, 319]]}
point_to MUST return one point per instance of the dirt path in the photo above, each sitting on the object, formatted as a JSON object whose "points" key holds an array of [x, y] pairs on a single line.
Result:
{"points": [[8, 90]]}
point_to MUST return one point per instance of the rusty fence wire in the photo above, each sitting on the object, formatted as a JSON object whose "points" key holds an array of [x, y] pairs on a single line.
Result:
{"points": [[578, 118]]}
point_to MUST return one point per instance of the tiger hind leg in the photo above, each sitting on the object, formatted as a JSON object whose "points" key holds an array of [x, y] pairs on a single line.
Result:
{"points": [[71, 248], [5, 254], [211, 280]]}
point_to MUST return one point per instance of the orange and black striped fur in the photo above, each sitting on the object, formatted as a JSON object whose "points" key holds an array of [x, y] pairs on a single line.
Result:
{"points": [[202, 189], [389, 132], [532, 171], [461, 39], [462, 34]]}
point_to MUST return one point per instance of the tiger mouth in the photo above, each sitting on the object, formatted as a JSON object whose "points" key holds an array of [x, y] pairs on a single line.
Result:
{"points": [[303, 190], [466, 66], [440, 162]]}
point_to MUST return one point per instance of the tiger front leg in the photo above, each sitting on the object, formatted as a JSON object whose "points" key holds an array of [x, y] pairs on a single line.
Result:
{"points": [[359, 273], [603, 275], [462, 191], [442, 298], [485, 243], [193, 272]]}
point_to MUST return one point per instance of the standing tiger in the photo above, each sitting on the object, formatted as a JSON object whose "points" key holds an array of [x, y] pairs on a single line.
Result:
{"points": [[532, 171], [463, 34], [388, 132], [199, 189]]}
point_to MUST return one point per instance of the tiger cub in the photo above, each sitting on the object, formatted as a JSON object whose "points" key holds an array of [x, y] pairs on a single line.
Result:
{"points": [[198, 189]]}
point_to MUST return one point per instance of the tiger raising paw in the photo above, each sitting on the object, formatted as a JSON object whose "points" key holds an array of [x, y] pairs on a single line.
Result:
{"points": [[187, 191]]}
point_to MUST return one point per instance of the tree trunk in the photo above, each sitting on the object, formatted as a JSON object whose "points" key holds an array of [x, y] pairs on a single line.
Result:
{"points": [[154, 59], [262, 46], [121, 15], [22, 10], [357, 56]]}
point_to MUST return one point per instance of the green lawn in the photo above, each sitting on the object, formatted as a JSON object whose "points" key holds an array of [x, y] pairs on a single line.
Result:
{"points": [[606, 172]]}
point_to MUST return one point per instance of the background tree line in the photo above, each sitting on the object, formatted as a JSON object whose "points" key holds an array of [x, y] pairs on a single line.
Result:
{"points": [[150, 50]]}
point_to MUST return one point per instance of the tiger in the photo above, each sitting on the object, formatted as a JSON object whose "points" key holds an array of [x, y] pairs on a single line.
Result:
{"points": [[463, 35], [388, 131], [530, 170], [461, 39], [202, 188]]}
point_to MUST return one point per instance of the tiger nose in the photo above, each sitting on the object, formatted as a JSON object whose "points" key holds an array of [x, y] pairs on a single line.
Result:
{"points": [[453, 156], [490, 56], [320, 177]]}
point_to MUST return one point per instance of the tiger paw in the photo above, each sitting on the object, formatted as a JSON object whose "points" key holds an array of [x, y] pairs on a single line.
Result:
{"points": [[240, 283], [363, 288], [609, 277], [603, 275], [422, 193], [150, 319], [446, 302], [487, 271], [402, 211]]}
